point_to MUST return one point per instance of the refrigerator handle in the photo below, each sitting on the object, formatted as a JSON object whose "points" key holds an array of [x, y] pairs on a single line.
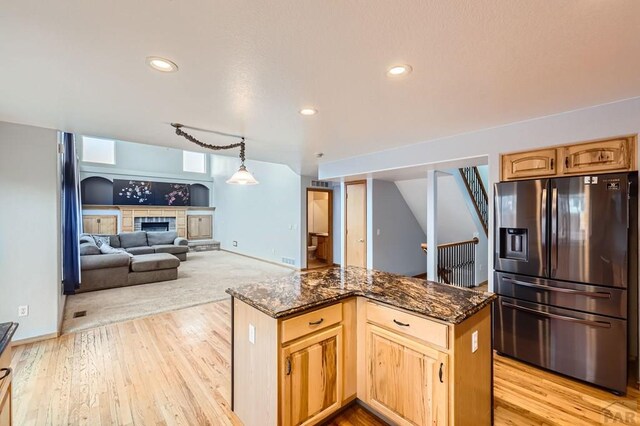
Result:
{"points": [[628, 202], [554, 229], [543, 221]]}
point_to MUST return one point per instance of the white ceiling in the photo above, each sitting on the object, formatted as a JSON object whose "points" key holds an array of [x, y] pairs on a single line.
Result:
{"points": [[249, 66]]}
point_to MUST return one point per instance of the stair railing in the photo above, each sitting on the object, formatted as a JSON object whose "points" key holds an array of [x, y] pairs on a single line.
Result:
{"points": [[478, 194], [456, 262]]}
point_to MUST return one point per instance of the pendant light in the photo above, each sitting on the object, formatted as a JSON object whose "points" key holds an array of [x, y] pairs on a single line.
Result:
{"points": [[242, 176]]}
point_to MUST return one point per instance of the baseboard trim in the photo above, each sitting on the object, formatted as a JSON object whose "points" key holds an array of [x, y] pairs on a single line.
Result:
{"points": [[262, 260], [35, 339]]}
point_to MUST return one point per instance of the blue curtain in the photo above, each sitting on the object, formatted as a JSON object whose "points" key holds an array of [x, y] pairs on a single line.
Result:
{"points": [[71, 216]]}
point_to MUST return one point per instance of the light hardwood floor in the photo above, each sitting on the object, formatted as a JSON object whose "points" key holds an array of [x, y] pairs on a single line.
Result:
{"points": [[173, 368]]}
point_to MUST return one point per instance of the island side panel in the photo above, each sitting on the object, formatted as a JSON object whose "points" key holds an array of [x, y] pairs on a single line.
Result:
{"points": [[471, 399], [255, 366], [350, 351]]}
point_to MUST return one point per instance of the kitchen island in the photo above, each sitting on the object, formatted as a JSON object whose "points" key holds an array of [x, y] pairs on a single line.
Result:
{"points": [[7, 330], [309, 344]]}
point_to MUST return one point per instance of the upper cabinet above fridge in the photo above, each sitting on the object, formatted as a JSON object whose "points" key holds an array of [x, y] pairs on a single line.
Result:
{"points": [[601, 156]]}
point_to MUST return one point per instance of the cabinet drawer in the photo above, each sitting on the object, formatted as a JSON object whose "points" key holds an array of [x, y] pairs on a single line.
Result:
{"points": [[421, 328], [308, 323]]}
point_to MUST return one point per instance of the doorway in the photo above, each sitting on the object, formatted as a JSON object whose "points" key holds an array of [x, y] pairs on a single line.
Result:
{"points": [[319, 228], [356, 224]]}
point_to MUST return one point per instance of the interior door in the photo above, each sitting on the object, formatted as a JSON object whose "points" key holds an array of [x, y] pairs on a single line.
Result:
{"points": [[589, 229], [356, 224]]}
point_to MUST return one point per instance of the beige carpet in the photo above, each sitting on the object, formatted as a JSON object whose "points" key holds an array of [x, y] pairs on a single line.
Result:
{"points": [[201, 279]]}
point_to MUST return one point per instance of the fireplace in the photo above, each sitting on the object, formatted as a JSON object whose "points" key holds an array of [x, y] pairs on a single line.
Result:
{"points": [[151, 224], [154, 226]]}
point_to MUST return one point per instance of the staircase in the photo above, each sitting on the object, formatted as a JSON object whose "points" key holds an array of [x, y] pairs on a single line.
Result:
{"points": [[478, 194], [456, 262]]}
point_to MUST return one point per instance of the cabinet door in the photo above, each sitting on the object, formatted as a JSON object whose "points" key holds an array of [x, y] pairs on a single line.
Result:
{"points": [[312, 382], [193, 230], [108, 225], [406, 381], [204, 225], [321, 251], [524, 165], [90, 225], [5, 407], [598, 156]]}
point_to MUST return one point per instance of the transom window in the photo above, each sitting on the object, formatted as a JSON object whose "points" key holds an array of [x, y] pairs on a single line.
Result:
{"points": [[95, 150], [194, 162]]}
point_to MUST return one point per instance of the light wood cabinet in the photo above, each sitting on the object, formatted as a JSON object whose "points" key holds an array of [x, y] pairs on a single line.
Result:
{"points": [[406, 381], [524, 165], [5, 388], [322, 251], [312, 377], [600, 156], [199, 227], [100, 224], [300, 370]]}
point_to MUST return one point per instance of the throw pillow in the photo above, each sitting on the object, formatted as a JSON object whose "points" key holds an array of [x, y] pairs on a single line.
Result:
{"points": [[107, 249], [100, 240], [89, 248]]}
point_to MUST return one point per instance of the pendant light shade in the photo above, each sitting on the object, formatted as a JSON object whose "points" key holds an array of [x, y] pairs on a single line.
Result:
{"points": [[242, 177]]}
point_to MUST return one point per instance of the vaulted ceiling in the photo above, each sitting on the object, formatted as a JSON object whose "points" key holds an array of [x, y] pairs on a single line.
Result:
{"points": [[248, 67]]}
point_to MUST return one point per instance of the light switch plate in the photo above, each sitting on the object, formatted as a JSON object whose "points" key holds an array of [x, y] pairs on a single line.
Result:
{"points": [[474, 341], [252, 334]]}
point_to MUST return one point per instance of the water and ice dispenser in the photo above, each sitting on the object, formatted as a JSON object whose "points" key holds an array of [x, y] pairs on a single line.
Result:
{"points": [[514, 244]]}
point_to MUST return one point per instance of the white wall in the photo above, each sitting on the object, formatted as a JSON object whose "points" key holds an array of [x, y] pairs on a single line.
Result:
{"points": [[266, 220], [318, 212], [146, 162], [30, 229], [396, 234], [617, 118]]}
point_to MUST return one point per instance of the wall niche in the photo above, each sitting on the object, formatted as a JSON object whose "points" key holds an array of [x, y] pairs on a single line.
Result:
{"points": [[96, 190]]}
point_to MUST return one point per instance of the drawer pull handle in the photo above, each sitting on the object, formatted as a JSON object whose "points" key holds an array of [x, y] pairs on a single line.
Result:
{"points": [[316, 322], [5, 372], [440, 373], [288, 366], [401, 324]]}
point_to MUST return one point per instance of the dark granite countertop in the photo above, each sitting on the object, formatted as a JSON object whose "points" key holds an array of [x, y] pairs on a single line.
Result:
{"points": [[7, 329], [282, 297]]}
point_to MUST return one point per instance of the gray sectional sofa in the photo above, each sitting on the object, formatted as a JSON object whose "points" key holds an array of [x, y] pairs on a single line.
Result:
{"points": [[153, 256]]}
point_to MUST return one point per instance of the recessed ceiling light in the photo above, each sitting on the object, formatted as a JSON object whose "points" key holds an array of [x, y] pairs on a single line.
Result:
{"points": [[398, 70], [161, 64], [308, 111]]}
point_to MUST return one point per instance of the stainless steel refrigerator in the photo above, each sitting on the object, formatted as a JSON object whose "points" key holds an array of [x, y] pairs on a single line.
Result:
{"points": [[564, 277]]}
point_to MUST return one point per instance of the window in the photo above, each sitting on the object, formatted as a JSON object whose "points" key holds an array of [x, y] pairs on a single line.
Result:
{"points": [[96, 150], [194, 162]]}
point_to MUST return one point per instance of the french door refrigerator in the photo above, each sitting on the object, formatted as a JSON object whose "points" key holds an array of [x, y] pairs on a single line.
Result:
{"points": [[563, 274]]}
